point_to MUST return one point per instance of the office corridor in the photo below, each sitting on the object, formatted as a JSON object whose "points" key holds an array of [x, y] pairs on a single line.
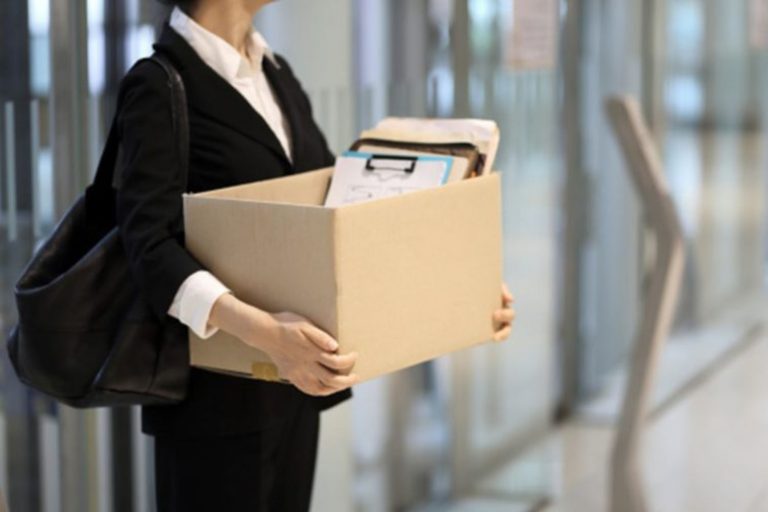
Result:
{"points": [[522, 426], [704, 453]]}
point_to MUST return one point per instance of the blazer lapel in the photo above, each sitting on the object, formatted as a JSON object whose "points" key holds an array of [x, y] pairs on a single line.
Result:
{"points": [[289, 108], [214, 97]]}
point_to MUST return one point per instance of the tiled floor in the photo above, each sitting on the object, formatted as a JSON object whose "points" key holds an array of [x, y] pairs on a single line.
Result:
{"points": [[706, 453], [689, 356]]}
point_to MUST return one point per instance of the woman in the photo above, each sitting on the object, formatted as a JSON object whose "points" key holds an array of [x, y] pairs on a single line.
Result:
{"points": [[234, 443]]}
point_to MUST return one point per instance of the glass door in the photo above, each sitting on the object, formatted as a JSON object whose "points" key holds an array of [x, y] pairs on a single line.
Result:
{"points": [[57, 94], [22, 157]]}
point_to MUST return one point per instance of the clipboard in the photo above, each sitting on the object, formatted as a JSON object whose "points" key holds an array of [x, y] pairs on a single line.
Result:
{"points": [[360, 176], [459, 170], [467, 159]]}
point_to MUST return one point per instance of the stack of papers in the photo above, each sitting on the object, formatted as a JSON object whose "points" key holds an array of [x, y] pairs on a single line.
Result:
{"points": [[402, 155], [482, 134]]}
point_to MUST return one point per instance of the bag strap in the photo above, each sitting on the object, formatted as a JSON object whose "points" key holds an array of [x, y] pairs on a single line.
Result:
{"points": [[107, 176]]}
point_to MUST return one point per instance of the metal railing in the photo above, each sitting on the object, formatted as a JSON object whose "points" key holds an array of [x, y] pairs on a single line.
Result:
{"points": [[648, 179]]}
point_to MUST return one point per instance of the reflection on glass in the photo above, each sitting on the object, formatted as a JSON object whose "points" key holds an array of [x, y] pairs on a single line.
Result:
{"points": [[39, 46]]}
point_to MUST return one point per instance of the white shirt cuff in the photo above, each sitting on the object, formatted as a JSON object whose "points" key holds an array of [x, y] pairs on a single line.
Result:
{"points": [[194, 300]]}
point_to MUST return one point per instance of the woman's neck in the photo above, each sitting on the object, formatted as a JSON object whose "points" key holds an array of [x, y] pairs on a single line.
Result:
{"points": [[231, 20]]}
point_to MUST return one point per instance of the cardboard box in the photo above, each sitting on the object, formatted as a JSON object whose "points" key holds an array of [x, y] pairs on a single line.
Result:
{"points": [[400, 280]]}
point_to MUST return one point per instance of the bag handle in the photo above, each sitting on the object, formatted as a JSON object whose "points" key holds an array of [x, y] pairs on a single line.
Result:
{"points": [[107, 177]]}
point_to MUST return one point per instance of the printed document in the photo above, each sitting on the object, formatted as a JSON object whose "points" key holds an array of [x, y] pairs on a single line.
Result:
{"points": [[362, 176]]}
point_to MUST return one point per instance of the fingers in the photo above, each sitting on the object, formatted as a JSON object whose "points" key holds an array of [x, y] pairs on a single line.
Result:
{"points": [[298, 323], [502, 334], [504, 316], [324, 382], [324, 390], [338, 362], [320, 338], [334, 381], [305, 385], [506, 296], [502, 321]]}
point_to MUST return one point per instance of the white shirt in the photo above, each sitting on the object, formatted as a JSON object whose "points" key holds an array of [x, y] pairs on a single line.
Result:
{"points": [[199, 292]]}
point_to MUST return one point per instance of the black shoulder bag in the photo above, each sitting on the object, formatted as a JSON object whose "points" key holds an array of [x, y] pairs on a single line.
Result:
{"points": [[85, 335]]}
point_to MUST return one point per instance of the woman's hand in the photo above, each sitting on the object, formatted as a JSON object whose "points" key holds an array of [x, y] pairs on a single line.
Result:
{"points": [[304, 355], [504, 316]]}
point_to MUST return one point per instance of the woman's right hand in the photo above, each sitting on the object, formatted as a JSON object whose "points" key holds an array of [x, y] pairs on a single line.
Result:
{"points": [[307, 356], [304, 355]]}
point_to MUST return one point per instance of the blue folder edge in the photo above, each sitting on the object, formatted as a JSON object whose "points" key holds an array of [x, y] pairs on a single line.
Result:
{"points": [[447, 159]]}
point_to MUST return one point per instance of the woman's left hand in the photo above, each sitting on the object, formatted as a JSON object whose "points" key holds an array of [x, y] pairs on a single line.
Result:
{"points": [[504, 316]]}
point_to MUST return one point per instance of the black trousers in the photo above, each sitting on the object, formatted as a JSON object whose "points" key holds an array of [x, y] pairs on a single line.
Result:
{"points": [[268, 470]]}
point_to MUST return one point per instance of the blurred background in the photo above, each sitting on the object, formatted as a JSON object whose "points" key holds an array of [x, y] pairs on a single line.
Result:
{"points": [[521, 426]]}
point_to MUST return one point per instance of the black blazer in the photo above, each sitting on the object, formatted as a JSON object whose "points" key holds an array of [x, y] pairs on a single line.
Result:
{"points": [[230, 144]]}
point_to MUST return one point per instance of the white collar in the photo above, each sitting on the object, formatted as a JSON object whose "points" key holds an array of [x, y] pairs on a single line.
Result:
{"points": [[219, 54]]}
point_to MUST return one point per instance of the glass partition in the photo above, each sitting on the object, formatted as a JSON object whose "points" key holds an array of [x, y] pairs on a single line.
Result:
{"points": [[575, 252]]}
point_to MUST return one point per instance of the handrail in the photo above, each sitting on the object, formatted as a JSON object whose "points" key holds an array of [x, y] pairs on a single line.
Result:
{"points": [[647, 175]]}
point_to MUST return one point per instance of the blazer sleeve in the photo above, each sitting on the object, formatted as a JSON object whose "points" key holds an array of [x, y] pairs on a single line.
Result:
{"points": [[149, 197]]}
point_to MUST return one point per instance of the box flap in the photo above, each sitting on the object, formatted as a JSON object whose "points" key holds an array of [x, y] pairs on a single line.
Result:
{"points": [[306, 188]]}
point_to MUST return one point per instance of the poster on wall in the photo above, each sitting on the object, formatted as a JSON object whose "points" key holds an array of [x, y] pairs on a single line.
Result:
{"points": [[532, 41], [758, 24]]}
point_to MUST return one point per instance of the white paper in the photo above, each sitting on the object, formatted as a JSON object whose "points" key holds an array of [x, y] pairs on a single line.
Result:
{"points": [[353, 183]]}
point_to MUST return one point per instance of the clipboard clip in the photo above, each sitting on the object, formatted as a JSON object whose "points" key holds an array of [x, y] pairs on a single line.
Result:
{"points": [[399, 163]]}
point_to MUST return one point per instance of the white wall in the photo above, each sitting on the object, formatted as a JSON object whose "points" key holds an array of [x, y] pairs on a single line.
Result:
{"points": [[318, 43]]}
